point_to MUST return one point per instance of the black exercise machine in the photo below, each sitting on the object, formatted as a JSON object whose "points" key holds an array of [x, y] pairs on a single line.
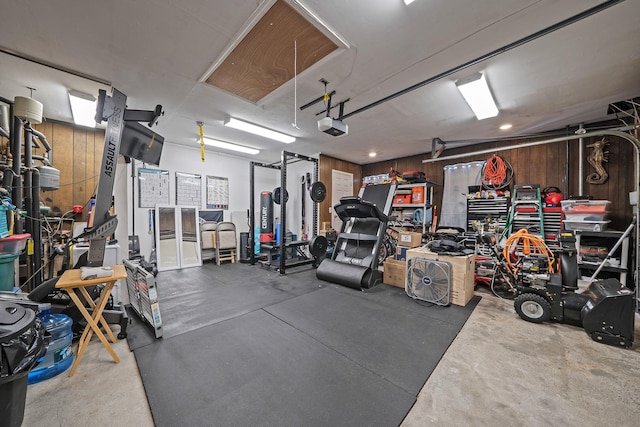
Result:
{"points": [[143, 144], [317, 244], [354, 262]]}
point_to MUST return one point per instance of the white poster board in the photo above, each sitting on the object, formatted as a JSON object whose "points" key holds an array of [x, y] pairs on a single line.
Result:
{"points": [[188, 189], [217, 192], [153, 186], [341, 186]]}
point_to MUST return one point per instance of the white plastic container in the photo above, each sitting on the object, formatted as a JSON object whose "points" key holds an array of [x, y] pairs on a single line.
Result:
{"points": [[585, 225], [572, 216]]}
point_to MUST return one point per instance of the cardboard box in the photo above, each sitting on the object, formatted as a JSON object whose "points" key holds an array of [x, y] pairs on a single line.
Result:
{"points": [[410, 239], [401, 253], [394, 272], [462, 280]]}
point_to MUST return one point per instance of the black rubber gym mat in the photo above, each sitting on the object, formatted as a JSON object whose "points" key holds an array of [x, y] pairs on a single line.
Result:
{"points": [[385, 332], [195, 297], [256, 370]]}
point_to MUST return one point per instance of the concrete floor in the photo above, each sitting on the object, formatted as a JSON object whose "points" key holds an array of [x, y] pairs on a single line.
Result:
{"points": [[499, 371]]}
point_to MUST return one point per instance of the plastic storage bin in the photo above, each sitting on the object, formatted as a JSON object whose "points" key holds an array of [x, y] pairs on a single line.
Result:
{"points": [[585, 225], [58, 356], [14, 244], [573, 216], [585, 206], [7, 271]]}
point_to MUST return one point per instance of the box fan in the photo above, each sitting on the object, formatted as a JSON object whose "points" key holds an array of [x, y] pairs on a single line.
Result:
{"points": [[429, 280]]}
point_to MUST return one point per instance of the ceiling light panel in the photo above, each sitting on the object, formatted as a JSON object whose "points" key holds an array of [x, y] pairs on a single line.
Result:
{"points": [[228, 146], [259, 130], [476, 92]]}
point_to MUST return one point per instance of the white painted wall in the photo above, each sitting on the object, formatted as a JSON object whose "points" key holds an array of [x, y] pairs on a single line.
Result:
{"points": [[178, 158]]}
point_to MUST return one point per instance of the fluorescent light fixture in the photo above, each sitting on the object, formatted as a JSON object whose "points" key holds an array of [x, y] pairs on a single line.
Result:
{"points": [[228, 146], [506, 126], [477, 94], [373, 154], [259, 130], [408, 2], [83, 108]]}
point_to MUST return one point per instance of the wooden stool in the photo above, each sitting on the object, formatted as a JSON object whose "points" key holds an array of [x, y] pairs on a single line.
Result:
{"points": [[73, 284]]}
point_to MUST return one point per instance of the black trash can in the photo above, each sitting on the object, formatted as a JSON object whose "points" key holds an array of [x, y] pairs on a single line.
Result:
{"points": [[21, 346]]}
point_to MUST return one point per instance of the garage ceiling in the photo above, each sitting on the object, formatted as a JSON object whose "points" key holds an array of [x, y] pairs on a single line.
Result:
{"points": [[177, 53]]}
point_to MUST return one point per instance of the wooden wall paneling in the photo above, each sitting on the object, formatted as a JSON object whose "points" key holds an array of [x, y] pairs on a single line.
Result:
{"points": [[555, 166], [614, 187], [519, 162], [62, 199], [46, 197], [619, 183], [79, 155], [627, 153], [91, 171], [406, 165], [573, 164], [538, 165], [326, 165]]}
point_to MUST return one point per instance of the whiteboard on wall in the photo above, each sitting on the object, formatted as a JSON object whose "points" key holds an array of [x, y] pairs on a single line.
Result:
{"points": [[188, 189], [153, 187], [341, 186]]}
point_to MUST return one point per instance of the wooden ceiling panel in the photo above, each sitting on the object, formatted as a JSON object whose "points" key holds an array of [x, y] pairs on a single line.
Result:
{"points": [[264, 60]]}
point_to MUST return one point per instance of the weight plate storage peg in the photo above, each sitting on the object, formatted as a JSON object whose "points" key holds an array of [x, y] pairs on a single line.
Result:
{"points": [[318, 191], [318, 246], [277, 195]]}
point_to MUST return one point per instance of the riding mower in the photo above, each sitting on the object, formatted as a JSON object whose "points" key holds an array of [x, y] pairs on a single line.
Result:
{"points": [[606, 309]]}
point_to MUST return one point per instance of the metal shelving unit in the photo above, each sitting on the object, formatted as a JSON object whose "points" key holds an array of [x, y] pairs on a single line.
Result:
{"points": [[604, 239], [406, 189]]}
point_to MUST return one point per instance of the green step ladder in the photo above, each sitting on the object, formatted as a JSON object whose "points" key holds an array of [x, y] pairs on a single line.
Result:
{"points": [[526, 210]]}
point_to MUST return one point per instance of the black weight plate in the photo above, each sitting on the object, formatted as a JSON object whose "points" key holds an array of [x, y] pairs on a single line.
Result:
{"points": [[318, 191], [318, 246], [277, 196]]}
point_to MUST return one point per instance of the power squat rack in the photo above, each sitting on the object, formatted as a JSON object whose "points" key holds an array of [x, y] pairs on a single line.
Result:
{"points": [[286, 159]]}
